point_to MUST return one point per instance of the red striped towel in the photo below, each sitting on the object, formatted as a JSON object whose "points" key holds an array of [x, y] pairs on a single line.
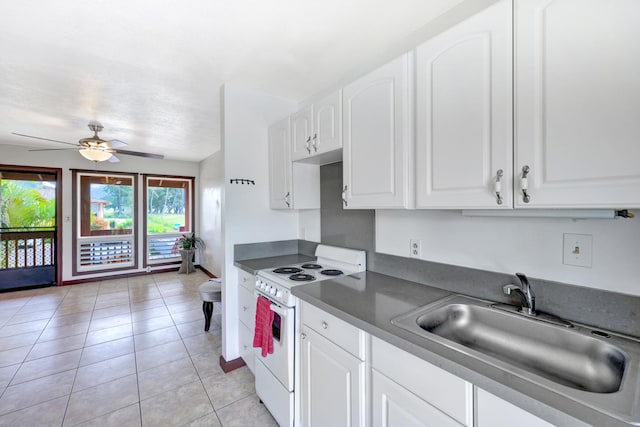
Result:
{"points": [[263, 334]]}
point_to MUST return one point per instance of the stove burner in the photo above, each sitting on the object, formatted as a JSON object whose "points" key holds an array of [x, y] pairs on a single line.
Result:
{"points": [[311, 266], [300, 277], [287, 270], [331, 272]]}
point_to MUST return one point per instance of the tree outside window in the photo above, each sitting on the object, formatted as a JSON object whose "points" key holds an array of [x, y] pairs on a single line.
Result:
{"points": [[169, 205]]}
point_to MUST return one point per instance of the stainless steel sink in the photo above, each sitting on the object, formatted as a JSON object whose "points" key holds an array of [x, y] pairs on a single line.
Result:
{"points": [[596, 368], [559, 354]]}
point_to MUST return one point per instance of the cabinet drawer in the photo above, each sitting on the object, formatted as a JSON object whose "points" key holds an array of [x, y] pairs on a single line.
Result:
{"points": [[338, 331], [246, 280], [247, 307], [246, 346], [445, 391]]}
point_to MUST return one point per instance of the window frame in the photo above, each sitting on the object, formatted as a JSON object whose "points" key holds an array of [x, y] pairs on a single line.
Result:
{"points": [[190, 207], [81, 206]]}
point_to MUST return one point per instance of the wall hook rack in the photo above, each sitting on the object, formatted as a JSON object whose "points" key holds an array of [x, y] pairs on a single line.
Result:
{"points": [[242, 181]]}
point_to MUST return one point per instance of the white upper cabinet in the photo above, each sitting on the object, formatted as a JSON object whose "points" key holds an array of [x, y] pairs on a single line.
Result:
{"points": [[327, 124], [301, 133], [464, 114], [280, 187], [317, 129], [577, 121], [291, 186], [377, 138]]}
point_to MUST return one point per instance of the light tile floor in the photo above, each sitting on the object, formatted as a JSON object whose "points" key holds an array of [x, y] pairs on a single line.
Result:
{"points": [[122, 352]]}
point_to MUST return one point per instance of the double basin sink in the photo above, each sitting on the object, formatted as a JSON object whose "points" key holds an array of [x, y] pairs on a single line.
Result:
{"points": [[594, 367]]}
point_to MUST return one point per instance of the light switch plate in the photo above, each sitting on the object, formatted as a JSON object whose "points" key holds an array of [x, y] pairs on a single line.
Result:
{"points": [[577, 249]]}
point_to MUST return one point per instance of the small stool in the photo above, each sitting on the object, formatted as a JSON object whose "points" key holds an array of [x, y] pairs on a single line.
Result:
{"points": [[210, 292]]}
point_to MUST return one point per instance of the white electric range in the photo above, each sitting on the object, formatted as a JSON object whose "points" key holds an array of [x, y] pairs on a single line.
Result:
{"points": [[275, 374]]}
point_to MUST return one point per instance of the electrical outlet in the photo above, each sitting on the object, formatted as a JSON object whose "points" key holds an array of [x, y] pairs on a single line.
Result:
{"points": [[577, 249], [415, 248]]}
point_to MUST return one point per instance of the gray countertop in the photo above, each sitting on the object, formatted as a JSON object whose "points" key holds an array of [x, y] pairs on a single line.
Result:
{"points": [[253, 265], [370, 300]]}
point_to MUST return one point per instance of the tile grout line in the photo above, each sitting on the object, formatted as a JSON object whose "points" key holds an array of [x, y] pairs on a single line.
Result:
{"points": [[73, 383]]}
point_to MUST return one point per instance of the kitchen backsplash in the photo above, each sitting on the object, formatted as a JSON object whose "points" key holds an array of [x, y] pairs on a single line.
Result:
{"points": [[612, 309]]}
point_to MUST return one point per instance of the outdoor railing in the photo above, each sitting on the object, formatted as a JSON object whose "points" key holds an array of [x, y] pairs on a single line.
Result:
{"points": [[105, 252], [33, 247], [163, 247]]}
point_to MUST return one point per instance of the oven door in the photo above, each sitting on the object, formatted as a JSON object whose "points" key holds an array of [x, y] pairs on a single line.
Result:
{"points": [[280, 362]]}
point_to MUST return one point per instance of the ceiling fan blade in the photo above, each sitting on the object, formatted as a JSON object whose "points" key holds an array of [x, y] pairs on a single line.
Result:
{"points": [[113, 159], [137, 153], [44, 139], [116, 143]]}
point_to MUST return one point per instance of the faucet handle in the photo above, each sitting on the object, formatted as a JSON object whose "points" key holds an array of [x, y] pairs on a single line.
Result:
{"points": [[508, 288]]}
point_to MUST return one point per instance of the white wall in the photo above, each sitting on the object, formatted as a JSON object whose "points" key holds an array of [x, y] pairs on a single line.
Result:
{"points": [[211, 195], [309, 225], [246, 217], [66, 160], [509, 245]]}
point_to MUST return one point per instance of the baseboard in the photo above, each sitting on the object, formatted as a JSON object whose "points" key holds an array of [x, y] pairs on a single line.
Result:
{"points": [[231, 365], [207, 272]]}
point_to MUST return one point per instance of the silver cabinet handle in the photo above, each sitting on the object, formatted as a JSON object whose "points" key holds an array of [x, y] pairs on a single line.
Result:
{"points": [[344, 196], [325, 325], [498, 186], [286, 199], [303, 335], [308, 144], [524, 184], [315, 142]]}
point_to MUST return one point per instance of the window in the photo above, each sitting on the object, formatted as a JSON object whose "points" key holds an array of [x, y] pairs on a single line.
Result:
{"points": [[169, 215], [106, 221]]}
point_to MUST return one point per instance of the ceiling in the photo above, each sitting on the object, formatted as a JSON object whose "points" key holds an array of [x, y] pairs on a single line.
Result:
{"points": [[150, 70]]}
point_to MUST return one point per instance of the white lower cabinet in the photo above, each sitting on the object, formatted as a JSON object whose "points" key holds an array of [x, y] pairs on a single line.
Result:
{"points": [[349, 378], [395, 406], [246, 317], [332, 384], [495, 412], [409, 391]]}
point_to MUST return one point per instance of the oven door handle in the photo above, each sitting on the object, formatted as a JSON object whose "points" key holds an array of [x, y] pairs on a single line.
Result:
{"points": [[278, 310]]}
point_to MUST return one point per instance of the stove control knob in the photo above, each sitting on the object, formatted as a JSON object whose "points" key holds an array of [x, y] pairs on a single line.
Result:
{"points": [[278, 294], [263, 286], [258, 283], [272, 291]]}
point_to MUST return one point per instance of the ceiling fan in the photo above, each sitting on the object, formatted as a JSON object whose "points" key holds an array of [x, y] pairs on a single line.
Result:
{"points": [[95, 148]]}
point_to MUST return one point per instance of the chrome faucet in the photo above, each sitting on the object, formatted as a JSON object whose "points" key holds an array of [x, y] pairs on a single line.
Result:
{"points": [[525, 291]]}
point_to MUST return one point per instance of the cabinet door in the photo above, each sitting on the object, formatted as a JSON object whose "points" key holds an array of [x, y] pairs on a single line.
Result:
{"points": [[332, 383], [377, 138], [301, 130], [495, 412], [395, 406], [246, 346], [247, 307], [280, 187], [464, 114], [577, 64], [327, 124]]}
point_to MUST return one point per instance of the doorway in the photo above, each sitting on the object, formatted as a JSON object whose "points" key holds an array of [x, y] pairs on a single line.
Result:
{"points": [[30, 200]]}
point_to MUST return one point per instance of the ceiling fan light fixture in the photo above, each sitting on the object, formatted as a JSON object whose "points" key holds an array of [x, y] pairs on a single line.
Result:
{"points": [[95, 154]]}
